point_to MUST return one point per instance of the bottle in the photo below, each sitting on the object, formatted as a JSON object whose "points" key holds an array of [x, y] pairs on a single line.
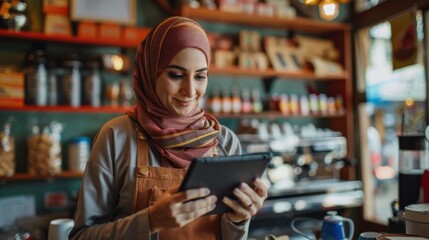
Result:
{"points": [[314, 103], [304, 106], [226, 102], [92, 84], [246, 104], [323, 104], [294, 104], [236, 100], [215, 102], [284, 105], [72, 82], [52, 83], [256, 101], [36, 78]]}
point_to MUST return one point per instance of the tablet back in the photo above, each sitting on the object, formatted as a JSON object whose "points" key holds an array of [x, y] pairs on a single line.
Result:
{"points": [[222, 174]]}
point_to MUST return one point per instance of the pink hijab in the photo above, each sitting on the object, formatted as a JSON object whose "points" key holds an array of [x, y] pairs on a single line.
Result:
{"points": [[178, 139]]}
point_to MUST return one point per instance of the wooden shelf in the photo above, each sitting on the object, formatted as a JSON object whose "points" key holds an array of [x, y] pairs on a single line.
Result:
{"points": [[270, 73], [297, 24], [275, 115], [28, 177], [35, 36], [83, 109]]}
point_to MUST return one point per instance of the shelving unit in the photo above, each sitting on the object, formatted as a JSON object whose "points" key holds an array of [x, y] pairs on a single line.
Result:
{"points": [[83, 109], [337, 84], [296, 24], [28, 177], [339, 33], [270, 73], [41, 37]]}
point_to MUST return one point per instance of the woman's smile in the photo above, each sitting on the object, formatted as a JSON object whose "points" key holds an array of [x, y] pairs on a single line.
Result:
{"points": [[183, 82]]}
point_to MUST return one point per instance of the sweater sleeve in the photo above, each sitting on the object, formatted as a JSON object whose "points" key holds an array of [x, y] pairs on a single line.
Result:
{"points": [[230, 145], [96, 214]]}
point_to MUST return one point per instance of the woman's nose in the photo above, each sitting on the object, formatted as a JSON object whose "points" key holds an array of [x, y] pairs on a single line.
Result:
{"points": [[188, 88]]}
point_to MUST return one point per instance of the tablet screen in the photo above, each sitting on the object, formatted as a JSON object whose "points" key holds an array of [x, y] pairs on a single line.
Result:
{"points": [[222, 174]]}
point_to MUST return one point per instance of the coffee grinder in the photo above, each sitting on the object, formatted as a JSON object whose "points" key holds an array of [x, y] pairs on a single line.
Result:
{"points": [[413, 160]]}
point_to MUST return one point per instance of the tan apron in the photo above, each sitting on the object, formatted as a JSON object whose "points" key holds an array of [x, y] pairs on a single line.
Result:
{"points": [[151, 182]]}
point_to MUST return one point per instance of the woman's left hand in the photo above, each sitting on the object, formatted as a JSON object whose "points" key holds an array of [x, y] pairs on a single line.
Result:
{"points": [[249, 201]]}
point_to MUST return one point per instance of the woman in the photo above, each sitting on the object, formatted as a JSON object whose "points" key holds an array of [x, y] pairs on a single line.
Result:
{"points": [[129, 189]]}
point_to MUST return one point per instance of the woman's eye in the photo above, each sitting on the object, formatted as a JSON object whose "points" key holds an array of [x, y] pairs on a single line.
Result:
{"points": [[175, 75], [201, 77]]}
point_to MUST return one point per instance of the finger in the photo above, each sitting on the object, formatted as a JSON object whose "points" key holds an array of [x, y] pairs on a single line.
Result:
{"points": [[200, 210], [198, 204], [261, 188], [246, 213], [249, 191], [243, 197], [174, 189], [191, 194]]}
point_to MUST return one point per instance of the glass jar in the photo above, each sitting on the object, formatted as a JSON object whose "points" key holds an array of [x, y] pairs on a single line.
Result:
{"points": [[7, 152], [44, 149]]}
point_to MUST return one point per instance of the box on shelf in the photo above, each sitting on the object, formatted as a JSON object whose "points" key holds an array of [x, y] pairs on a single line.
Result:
{"points": [[133, 34], [56, 17], [11, 89], [57, 24], [229, 5], [110, 31], [224, 58], [87, 30]]}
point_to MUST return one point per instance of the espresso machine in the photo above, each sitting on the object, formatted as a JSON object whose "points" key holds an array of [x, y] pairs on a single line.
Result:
{"points": [[303, 178]]}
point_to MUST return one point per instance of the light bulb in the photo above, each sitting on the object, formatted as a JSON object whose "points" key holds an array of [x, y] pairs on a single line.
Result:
{"points": [[329, 9], [310, 2], [117, 62]]}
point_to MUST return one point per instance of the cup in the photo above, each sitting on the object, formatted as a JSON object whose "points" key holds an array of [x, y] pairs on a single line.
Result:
{"points": [[59, 229], [368, 236]]}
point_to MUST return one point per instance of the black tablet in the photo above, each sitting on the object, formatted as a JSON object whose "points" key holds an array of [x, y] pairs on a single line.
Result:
{"points": [[222, 174]]}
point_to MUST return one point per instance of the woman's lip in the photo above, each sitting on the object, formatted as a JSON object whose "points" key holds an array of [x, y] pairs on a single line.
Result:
{"points": [[184, 102]]}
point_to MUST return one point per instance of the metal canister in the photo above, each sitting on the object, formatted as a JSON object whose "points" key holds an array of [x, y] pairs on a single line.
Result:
{"points": [[72, 82], [36, 78], [78, 155]]}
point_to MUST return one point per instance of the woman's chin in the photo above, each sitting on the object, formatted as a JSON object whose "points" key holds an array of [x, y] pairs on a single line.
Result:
{"points": [[185, 111]]}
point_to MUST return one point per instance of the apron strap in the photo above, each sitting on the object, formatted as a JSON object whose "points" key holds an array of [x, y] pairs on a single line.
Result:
{"points": [[142, 160]]}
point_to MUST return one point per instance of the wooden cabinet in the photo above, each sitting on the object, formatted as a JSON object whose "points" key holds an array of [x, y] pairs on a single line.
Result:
{"points": [[341, 84]]}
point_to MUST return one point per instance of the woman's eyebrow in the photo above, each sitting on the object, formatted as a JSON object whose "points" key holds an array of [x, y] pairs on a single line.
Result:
{"points": [[184, 69]]}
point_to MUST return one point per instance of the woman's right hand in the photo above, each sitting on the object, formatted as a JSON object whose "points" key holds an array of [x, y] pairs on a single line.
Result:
{"points": [[176, 209]]}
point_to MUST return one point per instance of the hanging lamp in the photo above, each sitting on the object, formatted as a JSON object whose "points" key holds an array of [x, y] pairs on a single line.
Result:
{"points": [[328, 9]]}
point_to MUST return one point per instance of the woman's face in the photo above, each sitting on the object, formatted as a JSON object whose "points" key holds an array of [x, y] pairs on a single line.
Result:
{"points": [[183, 82]]}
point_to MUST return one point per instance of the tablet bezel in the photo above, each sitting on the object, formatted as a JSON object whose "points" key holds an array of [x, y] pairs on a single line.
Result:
{"points": [[229, 170]]}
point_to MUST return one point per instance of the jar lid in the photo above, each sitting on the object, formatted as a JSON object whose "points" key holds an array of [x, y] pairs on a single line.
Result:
{"points": [[417, 213], [92, 64], [331, 216], [72, 63], [81, 140]]}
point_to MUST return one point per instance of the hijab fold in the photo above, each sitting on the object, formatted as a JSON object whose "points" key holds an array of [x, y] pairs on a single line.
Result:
{"points": [[177, 138]]}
